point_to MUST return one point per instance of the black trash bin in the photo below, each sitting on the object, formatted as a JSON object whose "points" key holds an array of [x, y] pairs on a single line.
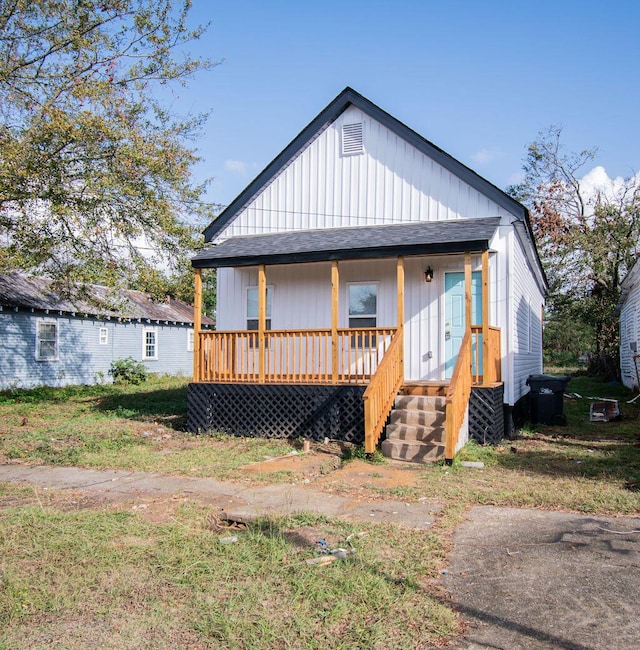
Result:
{"points": [[547, 392]]}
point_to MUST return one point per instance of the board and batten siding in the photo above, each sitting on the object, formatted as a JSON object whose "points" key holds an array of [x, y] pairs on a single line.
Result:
{"points": [[391, 182], [629, 330], [81, 358], [525, 337]]}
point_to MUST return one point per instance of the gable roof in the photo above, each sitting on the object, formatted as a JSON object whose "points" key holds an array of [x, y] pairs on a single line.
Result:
{"points": [[349, 97], [357, 242], [18, 290]]}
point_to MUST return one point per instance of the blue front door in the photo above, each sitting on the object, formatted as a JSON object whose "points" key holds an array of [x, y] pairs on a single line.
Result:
{"points": [[454, 316]]}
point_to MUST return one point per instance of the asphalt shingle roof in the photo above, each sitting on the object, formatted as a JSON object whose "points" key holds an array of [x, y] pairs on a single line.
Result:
{"points": [[359, 242], [28, 292]]}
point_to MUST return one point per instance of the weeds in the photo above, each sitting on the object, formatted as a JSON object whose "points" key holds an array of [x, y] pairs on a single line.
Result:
{"points": [[108, 578]]}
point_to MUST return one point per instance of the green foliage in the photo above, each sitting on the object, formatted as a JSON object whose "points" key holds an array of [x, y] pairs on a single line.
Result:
{"points": [[353, 452], [128, 371], [95, 172], [588, 241]]}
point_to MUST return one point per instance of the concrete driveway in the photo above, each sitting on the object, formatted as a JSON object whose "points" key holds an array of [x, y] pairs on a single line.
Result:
{"points": [[535, 579]]}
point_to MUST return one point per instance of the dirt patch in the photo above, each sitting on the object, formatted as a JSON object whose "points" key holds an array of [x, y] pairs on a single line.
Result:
{"points": [[374, 479], [297, 467]]}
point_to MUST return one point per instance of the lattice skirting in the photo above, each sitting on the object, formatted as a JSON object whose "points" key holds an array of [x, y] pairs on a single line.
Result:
{"points": [[277, 411], [486, 414]]}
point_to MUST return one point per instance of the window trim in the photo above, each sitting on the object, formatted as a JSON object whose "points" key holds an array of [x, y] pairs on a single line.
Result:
{"points": [[56, 340], [146, 330], [191, 340], [268, 319], [103, 336], [373, 283]]}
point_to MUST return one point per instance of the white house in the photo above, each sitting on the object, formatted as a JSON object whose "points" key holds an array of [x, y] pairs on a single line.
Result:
{"points": [[629, 312], [367, 278]]}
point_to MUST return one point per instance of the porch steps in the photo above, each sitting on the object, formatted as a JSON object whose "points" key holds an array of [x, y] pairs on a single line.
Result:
{"points": [[415, 431]]}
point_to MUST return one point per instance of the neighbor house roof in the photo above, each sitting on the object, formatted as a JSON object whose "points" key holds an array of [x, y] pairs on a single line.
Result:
{"points": [[349, 97], [427, 237], [21, 291]]}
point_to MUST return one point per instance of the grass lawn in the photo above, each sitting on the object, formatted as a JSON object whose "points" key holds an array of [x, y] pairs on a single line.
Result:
{"points": [[74, 575]]}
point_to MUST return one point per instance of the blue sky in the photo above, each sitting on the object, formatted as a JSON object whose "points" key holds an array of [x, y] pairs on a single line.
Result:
{"points": [[478, 79]]}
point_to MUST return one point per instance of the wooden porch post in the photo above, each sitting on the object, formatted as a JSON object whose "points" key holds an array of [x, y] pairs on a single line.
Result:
{"points": [[487, 362], [467, 291], [197, 323], [262, 320], [400, 281], [335, 286]]}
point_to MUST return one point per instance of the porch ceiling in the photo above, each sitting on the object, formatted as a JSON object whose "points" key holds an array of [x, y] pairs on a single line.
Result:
{"points": [[362, 242]]}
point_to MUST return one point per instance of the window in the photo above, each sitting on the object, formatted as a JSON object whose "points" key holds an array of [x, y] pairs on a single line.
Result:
{"points": [[363, 310], [252, 307], [190, 341], [149, 344], [47, 341], [103, 338]]}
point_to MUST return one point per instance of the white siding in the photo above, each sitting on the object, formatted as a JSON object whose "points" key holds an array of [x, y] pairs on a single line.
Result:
{"points": [[302, 300], [525, 338], [392, 182], [629, 328]]}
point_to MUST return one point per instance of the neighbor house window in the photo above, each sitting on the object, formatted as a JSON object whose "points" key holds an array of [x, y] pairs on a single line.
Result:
{"points": [[103, 338], [252, 308], [149, 344], [363, 309], [190, 340], [47, 341]]}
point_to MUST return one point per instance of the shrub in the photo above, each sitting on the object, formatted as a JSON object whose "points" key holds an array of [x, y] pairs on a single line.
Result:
{"points": [[128, 371]]}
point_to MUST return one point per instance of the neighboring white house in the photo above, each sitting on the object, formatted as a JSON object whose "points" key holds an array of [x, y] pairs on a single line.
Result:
{"points": [[629, 311], [53, 341], [362, 223]]}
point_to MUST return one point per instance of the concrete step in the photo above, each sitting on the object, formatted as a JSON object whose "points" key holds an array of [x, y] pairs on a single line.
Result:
{"points": [[415, 433], [417, 418], [414, 452], [420, 402]]}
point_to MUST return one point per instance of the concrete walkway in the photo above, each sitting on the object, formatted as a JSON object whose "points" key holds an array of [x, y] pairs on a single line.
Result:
{"points": [[521, 579], [238, 501], [534, 580]]}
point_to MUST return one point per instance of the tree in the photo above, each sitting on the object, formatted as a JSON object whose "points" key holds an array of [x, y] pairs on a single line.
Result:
{"points": [[95, 171], [588, 234]]}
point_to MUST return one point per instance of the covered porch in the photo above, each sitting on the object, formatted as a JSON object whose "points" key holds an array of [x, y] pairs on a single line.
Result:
{"points": [[368, 359]]}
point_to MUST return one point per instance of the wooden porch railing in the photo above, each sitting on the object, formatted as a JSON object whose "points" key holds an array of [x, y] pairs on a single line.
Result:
{"points": [[293, 356], [486, 363], [381, 392], [457, 398]]}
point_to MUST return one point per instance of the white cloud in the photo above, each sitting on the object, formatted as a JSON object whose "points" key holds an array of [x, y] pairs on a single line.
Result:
{"points": [[485, 156], [597, 184], [236, 166]]}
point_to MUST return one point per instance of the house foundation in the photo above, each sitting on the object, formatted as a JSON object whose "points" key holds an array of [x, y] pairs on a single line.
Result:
{"points": [[277, 410]]}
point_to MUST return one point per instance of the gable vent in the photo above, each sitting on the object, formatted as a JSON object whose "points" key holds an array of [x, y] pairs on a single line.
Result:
{"points": [[352, 139]]}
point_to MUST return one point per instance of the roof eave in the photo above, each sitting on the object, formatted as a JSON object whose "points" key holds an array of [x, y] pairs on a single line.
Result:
{"points": [[377, 252]]}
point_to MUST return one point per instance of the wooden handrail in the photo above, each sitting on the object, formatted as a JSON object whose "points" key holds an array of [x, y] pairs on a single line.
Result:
{"points": [[293, 356], [457, 398], [381, 393]]}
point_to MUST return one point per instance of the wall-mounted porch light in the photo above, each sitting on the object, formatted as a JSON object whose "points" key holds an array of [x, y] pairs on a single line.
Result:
{"points": [[428, 274]]}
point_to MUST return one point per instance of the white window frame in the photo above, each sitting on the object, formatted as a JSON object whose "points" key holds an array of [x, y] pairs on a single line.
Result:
{"points": [[145, 331], [360, 316], [191, 338], [39, 340], [248, 317], [103, 336]]}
